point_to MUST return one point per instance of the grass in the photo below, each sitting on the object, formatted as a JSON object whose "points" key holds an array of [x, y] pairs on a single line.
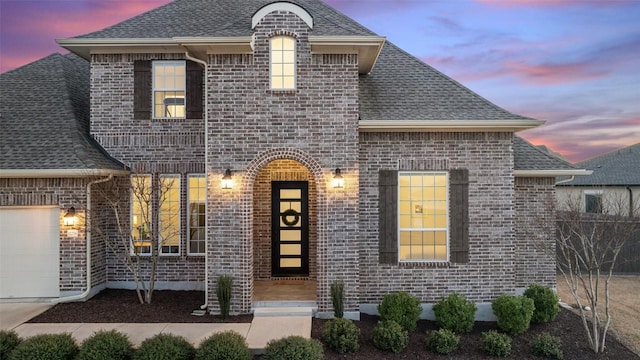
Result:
{"points": [[625, 307]]}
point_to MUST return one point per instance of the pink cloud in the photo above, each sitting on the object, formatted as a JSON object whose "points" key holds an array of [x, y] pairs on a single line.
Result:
{"points": [[550, 73], [555, 3]]}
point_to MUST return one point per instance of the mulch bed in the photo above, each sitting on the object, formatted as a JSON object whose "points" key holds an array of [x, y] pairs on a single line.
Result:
{"points": [[122, 306], [115, 306]]}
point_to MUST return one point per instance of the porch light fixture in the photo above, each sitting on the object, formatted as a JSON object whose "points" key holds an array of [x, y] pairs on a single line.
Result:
{"points": [[338, 180], [70, 217], [227, 180]]}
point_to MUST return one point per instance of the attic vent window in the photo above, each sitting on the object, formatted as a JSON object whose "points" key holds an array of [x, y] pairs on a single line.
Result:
{"points": [[283, 63], [169, 83]]}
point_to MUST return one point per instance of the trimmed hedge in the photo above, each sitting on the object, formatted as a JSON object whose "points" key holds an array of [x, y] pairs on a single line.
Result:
{"points": [[106, 345], [8, 341], [496, 344], [294, 348], [228, 345], [165, 347], [548, 346], [402, 308], [442, 341], [341, 335], [455, 313], [390, 336], [545, 301], [46, 347], [513, 312]]}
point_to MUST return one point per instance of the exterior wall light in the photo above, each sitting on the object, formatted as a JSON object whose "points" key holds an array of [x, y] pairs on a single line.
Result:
{"points": [[338, 180], [70, 217], [227, 180]]}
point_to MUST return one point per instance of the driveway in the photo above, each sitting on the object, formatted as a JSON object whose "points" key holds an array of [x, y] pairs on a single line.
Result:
{"points": [[14, 314]]}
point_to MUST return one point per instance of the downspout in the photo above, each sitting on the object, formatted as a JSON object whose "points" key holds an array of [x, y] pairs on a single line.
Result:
{"points": [[84, 295], [630, 200], [206, 190], [566, 180]]}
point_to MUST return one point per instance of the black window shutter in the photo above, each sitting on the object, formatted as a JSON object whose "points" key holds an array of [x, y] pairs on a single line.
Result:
{"points": [[459, 210], [388, 213], [142, 89], [194, 90]]}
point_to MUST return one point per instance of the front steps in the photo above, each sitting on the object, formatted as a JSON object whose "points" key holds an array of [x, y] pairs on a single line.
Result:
{"points": [[274, 320]]}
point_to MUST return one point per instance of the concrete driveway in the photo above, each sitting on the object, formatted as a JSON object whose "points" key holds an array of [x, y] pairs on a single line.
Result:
{"points": [[14, 314]]}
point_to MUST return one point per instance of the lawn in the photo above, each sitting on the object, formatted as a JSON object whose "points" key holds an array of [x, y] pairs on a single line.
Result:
{"points": [[625, 307]]}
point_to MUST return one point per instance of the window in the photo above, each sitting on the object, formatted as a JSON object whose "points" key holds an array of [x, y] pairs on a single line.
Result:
{"points": [[196, 193], [169, 83], [283, 63], [422, 216], [593, 201], [141, 214], [169, 215]]}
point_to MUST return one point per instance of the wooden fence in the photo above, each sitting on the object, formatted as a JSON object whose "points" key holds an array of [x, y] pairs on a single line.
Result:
{"points": [[628, 261]]}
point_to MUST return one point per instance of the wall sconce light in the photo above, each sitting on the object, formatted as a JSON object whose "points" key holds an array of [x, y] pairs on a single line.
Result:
{"points": [[227, 180], [70, 217], [338, 180]]}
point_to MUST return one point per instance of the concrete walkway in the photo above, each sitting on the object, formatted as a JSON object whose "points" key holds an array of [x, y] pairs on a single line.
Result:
{"points": [[264, 327], [14, 314]]}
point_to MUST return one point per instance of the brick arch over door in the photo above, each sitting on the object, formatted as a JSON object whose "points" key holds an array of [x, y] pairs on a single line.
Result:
{"points": [[318, 175]]}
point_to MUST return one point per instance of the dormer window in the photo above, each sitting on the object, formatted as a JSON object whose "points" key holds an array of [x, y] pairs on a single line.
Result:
{"points": [[283, 63], [169, 83]]}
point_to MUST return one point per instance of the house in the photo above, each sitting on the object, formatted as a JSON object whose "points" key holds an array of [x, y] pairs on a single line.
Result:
{"points": [[613, 185], [299, 145]]}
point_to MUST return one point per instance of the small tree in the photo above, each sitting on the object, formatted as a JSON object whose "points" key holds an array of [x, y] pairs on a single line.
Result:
{"points": [[588, 246], [145, 222]]}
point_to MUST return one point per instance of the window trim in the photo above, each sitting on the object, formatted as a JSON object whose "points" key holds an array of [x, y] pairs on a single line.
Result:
{"points": [[131, 215], [188, 228], [399, 229], [295, 64], [161, 178], [599, 193], [183, 63]]}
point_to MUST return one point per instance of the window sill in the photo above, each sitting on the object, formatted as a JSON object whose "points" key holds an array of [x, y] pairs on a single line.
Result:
{"points": [[282, 91], [424, 264]]}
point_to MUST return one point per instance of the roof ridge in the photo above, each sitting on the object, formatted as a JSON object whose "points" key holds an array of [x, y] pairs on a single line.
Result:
{"points": [[611, 153]]}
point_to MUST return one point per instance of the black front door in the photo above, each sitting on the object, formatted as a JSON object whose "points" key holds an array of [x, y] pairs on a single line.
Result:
{"points": [[289, 228]]}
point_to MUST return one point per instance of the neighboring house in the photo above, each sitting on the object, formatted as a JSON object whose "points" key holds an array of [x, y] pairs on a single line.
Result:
{"points": [[614, 183], [302, 146]]}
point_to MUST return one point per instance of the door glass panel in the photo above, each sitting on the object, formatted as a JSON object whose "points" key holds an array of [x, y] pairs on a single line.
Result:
{"points": [[290, 235], [286, 205], [290, 249], [290, 193], [289, 263]]}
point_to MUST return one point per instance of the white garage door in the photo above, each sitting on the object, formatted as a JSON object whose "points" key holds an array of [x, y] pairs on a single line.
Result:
{"points": [[29, 252]]}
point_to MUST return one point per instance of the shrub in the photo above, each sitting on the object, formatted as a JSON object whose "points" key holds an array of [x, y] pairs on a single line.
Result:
{"points": [[388, 335], [341, 335], [546, 345], [228, 345], [496, 344], [442, 341], [402, 308], [8, 341], [165, 347], [46, 347], [337, 298], [455, 313], [513, 313], [545, 301], [223, 292], [294, 348], [106, 345]]}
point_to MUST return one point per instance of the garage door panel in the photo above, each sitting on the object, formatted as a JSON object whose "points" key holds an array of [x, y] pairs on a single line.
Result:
{"points": [[29, 250]]}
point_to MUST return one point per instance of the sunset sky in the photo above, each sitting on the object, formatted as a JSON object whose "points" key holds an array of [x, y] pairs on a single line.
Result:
{"points": [[573, 63]]}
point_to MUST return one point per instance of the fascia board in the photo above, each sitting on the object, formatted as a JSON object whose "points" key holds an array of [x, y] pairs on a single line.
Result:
{"points": [[59, 173], [447, 125], [552, 173]]}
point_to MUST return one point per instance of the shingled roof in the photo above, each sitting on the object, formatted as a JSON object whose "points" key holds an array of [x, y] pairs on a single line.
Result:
{"points": [[617, 168], [530, 157], [400, 86], [44, 118], [221, 18]]}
